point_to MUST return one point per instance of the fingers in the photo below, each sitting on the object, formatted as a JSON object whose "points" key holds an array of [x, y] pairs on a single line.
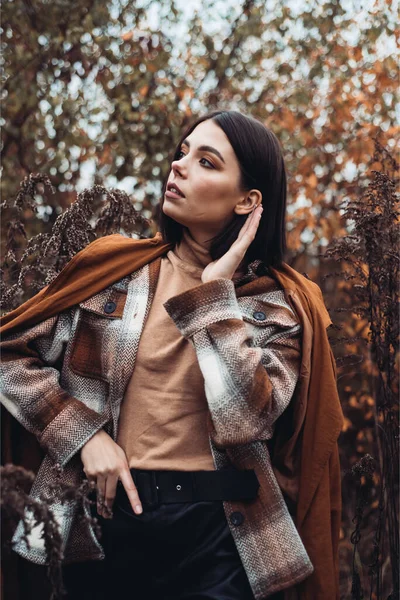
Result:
{"points": [[131, 491], [250, 219], [106, 491], [101, 491], [111, 489], [104, 462], [249, 229], [253, 220], [246, 235]]}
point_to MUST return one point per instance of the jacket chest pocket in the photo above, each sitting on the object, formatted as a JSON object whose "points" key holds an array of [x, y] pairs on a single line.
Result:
{"points": [[256, 315], [96, 335]]}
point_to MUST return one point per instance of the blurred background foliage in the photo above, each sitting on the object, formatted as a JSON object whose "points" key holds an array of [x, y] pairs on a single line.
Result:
{"points": [[96, 93]]}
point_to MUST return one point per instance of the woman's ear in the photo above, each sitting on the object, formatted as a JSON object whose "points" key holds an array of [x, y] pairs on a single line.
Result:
{"points": [[249, 202]]}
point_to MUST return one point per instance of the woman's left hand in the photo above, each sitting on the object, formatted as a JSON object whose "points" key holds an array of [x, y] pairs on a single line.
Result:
{"points": [[226, 266]]}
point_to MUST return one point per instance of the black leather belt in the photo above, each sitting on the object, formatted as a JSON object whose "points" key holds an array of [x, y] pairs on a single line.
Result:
{"points": [[158, 487]]}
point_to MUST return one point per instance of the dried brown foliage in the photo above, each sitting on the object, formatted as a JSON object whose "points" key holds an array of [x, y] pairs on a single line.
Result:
{"points": [[16, 504], [370, 255], [29, 265]]}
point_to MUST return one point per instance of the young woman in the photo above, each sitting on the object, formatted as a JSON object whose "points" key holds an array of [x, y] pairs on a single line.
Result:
{"points": [[172, 383]]}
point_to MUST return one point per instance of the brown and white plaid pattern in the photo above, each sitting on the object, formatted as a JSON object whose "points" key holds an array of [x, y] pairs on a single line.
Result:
{"points": [[64, 379]]}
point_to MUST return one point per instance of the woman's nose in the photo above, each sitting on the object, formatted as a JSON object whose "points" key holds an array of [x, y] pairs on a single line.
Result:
{"points": [[178, 168]]}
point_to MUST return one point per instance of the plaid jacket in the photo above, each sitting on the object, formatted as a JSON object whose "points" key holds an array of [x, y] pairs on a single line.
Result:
{"points": [[64, 379]]}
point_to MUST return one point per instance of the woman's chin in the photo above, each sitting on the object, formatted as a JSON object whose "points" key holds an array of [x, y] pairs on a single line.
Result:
{"points": [[173, 212]]}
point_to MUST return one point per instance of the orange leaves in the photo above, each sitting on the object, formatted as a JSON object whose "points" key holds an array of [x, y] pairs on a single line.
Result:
{"points": [[127, 36], [105, 157], [357, 53], [353, 401], [143, 90], [312, 180], [361, 147], [289, 119], [326, 227], [184, 92], [346, 424], [306, 163], [361, 401]]}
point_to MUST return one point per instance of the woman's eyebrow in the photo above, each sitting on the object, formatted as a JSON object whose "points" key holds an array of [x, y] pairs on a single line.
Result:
{"points": [[206, 148]]}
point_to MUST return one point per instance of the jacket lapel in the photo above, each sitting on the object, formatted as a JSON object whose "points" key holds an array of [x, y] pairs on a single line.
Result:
{"points": [[140, 296]]}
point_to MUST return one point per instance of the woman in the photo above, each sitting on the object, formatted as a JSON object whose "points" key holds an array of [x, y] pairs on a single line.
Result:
{"points": [[176, 431]]}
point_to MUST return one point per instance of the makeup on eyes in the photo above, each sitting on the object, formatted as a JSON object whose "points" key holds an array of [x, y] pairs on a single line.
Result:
{"points": [[202, 158], [206, 148]]}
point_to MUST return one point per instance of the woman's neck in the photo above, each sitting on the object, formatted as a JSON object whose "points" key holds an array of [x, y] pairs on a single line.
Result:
{"points": [[202, 238], [197, 253], [192, 251]]}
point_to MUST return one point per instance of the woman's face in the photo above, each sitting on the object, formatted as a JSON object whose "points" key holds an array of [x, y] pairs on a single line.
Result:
{"points": [[207, 173]]}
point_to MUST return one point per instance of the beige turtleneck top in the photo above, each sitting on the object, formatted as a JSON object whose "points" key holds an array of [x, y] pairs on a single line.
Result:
{"points": [[163, 419]]}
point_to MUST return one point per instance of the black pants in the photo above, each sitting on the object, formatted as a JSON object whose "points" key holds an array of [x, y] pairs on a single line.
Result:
{"points": [[177, 551]]}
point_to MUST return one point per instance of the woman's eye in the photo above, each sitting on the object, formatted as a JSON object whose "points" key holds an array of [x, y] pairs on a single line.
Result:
{"points": [[207, 161], [178, 156]]}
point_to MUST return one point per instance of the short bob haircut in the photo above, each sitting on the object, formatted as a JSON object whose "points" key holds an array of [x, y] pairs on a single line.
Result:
{"points": [[262, 167]]}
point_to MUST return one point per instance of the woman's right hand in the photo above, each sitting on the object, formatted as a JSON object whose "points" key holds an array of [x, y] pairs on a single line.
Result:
{"points": [[105, 462]]}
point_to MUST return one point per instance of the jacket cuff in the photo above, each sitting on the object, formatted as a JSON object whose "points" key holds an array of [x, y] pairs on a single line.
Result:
{"points": [[65, 435], [203, 305]]}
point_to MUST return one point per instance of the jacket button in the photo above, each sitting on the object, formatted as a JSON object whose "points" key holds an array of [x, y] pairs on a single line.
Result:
{"points": [[236, 518], [110, 307], [260, 316]]}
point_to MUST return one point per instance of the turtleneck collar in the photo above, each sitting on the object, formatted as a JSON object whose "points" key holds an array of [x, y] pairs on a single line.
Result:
{"points": [[196, 256], [191, 251]]}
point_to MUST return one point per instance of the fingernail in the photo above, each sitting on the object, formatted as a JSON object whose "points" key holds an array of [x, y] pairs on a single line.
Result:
{"points": [[139, 509]]}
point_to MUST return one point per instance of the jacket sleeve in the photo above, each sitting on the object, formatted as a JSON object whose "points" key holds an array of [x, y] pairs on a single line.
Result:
{"points": [[248, 384], [30, 388]]}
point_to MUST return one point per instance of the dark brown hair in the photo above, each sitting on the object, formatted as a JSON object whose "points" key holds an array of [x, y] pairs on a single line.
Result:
{"points": [[262, 167]]}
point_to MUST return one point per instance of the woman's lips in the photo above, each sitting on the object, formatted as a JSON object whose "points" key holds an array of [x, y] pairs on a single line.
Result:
{"points": [[171, 194]]}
